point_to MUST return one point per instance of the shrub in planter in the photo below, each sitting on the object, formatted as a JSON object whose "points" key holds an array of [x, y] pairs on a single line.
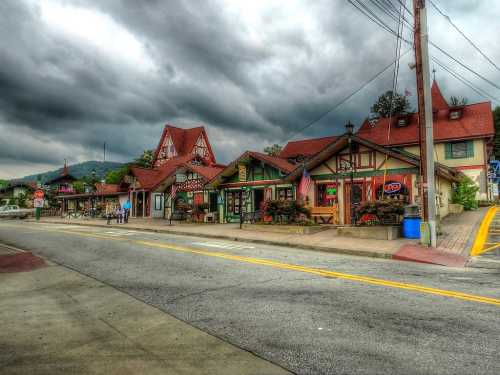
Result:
{"points": [[464, 193], [381, 211], [285, 211]]}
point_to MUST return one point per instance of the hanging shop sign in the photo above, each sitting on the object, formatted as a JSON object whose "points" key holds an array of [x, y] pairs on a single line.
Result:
{"points": [[392, 187]]}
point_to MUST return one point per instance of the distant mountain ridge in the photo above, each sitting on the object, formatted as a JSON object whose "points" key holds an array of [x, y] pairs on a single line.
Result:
{"points": [[78, 170]]}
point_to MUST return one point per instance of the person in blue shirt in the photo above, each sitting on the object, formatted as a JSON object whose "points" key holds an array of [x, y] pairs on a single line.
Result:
{"points": [[127, 206]]}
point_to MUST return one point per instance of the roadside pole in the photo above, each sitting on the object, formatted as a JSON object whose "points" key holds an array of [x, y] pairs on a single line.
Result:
{"points": [[38, 203], [428, 194]]}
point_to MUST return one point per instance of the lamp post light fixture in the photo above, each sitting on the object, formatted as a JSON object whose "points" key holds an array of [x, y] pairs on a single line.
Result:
{"points": [[349, 127]]}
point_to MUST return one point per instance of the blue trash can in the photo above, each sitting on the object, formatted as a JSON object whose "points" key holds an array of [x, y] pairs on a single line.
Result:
{"points": [[411, 227]]}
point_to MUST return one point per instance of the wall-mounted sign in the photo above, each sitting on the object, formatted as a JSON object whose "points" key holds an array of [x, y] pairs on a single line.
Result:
{"points": [[242, 172], [180, 177], [38, 202], [392, 187], [331, 191]]}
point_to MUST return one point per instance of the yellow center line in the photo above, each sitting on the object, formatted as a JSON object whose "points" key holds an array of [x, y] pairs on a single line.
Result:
{"points": [[293, 267]]}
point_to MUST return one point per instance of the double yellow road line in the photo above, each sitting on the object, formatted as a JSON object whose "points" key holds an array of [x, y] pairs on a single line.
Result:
{"points": [[293, 267]]}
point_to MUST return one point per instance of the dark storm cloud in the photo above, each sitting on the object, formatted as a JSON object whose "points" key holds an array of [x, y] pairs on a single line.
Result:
{"points": [[251, 77]]}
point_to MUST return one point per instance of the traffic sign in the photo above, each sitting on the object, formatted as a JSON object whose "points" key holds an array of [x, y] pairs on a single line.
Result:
{"points": [[39, 194]]}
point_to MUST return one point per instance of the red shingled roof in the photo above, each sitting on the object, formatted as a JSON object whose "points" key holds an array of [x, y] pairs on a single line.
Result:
{"points": [[150, 178], [208, 172], [305, 147], [476, 122], [438, 100], [102, 188], [275, 161]]}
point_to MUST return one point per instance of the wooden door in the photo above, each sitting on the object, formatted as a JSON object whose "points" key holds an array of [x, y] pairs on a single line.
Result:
{"points": [[358, 196]]}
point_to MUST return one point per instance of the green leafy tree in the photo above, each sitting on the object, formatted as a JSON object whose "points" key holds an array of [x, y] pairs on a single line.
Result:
{"points": [[496, 140], [455, 101], [79, 186], [382, 106], [3, 183], [116, 176], [22, 200], [465, 194], [273, 150], [145, 160]]}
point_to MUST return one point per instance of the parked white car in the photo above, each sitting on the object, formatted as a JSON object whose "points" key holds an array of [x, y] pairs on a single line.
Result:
{"points": [[13, 211]]}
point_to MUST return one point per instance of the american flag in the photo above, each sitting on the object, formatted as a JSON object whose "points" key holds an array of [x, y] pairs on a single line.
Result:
{"points": [[173, 192], [304, 184]]}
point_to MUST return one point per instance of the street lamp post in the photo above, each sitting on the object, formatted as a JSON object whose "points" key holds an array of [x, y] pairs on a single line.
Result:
{"points": [[350, 127]]}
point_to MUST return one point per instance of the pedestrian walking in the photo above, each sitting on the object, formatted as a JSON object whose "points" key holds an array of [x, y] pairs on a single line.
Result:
{"points": [[119, 214], [126, 207]]}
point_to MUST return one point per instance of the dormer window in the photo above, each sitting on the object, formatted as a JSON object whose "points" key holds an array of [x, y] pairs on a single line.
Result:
{"points": [[455, 114], [403, 120]]}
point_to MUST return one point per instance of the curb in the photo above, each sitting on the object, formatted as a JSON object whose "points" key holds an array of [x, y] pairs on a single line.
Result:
{"points": [[361, 253], [482, 233]]}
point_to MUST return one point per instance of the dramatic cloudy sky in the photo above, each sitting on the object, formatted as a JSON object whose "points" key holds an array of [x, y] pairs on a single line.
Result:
{"points": [[77, 73]]}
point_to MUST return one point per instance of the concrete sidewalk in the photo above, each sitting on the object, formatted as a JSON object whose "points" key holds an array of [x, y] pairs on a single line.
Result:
{"points": [[57, 321]]}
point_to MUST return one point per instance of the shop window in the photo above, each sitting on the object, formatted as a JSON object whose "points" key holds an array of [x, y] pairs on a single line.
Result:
{"points": [[285, 194], [393, 190], [459, 150], [158, 202], [326, 194], [234, 202]]}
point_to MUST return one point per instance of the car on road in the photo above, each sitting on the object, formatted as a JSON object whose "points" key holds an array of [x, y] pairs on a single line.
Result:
{"points": [[14, 212]]}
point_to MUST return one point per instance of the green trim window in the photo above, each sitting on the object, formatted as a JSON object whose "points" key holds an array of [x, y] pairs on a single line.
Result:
{"points": [[285, 194], [459, 150]]}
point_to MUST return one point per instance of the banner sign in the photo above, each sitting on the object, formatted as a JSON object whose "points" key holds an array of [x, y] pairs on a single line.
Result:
{"points": [[392, 187]]}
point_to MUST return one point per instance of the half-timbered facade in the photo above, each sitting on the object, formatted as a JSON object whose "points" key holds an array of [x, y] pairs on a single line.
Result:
{"points": [[250, 180], [183, 163]]}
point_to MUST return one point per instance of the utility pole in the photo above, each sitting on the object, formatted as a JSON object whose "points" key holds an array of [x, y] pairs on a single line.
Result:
{"points": [[426, 136], [104, 152]]}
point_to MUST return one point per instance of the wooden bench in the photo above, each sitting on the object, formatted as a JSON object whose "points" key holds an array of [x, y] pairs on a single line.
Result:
{"points": [[179, 216], [327, 215]]}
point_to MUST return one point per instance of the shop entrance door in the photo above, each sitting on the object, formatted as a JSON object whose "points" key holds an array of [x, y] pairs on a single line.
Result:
{"points": [[358, 193]]}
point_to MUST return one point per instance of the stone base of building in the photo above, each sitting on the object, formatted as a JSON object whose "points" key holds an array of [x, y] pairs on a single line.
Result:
{"points": [[290, 229], [377, 232]]}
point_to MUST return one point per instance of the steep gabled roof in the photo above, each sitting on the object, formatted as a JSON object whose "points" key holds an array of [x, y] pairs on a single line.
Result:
{"points": [[438, 100], [184, 140], [102, 188], [279, 163], [305, 147]]}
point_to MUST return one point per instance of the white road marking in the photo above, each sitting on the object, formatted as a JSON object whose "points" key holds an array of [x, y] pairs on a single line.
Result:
{"points": [[222, 245]]}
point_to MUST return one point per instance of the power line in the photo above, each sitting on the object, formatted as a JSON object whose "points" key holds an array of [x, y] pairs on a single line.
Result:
{"points": [[390, 30], [465, 81], [463, 65], [463, 34], [349, 96]]}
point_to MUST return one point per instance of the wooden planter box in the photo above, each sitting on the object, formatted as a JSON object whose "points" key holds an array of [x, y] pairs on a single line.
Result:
{"points": [[289, 229], [376, 232]]}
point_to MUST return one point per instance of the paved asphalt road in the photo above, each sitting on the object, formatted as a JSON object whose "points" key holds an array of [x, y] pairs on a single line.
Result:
{"points": [[329, 314]]}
